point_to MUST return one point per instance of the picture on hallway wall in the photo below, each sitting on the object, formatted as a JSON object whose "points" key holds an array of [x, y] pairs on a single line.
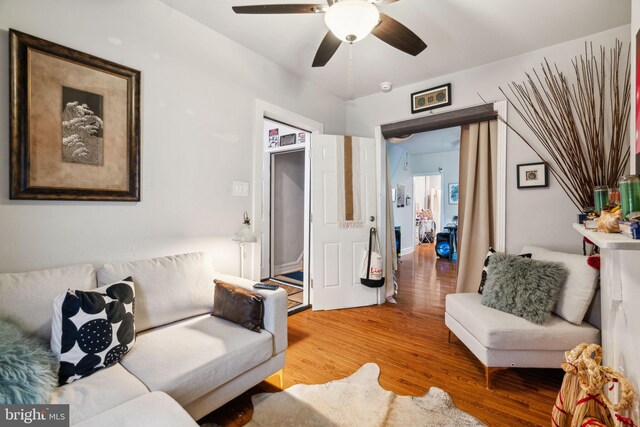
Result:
{"points": [[400, 196], [454, 194], [533, 175], [75, 124]]}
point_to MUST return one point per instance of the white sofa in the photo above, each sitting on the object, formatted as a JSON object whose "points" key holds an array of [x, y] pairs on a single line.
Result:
{"points": [[184, 364], [501, 340]]}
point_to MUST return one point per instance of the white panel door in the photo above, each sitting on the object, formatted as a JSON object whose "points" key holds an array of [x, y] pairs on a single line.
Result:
{"points": [[336, 252]]}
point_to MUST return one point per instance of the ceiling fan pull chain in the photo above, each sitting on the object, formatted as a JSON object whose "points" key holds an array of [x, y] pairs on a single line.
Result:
{"points": [[350, 82]]}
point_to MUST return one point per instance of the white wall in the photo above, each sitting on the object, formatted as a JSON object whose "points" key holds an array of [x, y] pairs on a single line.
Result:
{"points": [[199, 92], [288, 211], [542, 216]]}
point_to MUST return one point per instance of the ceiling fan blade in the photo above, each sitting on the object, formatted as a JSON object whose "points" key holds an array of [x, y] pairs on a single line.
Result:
{"points": [[383, 2], [397, 35], [327, 48], [266, 9]]}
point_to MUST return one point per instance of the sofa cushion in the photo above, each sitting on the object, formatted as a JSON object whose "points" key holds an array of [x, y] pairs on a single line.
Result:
{"points": [[92, 330], [190, 358], [524, 287], [154, 409], [167, 289], [101, 391], [496, 329], [578, 290], [26, 367], [485, 269], [27, 298]]}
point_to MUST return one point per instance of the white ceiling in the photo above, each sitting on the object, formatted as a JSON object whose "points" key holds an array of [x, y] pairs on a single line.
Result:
{"points": [[460, 34], [435, 141]]}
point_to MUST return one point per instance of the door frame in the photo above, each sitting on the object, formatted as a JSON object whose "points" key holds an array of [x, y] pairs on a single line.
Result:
{"points": [[449, 119], [265, 109]]}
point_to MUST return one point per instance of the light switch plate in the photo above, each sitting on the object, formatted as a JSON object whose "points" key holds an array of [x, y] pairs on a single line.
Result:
{"points": [[240, 188]]}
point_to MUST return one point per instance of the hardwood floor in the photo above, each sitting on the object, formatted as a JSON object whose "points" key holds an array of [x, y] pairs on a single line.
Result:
{"points": [[408, 340]]}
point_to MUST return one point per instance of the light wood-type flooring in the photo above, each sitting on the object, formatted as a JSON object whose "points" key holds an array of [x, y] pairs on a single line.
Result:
{"points": [[408, 340]]}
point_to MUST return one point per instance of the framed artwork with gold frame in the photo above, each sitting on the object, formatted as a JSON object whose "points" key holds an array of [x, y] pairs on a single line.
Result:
{"points": [[428, 99], [75, 124]]}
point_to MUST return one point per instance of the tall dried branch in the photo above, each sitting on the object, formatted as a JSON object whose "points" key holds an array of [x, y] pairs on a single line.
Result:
{"points": [[581, 127]]}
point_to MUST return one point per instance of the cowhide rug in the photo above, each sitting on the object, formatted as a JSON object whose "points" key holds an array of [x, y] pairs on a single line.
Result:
{"points": [[358, 400]]}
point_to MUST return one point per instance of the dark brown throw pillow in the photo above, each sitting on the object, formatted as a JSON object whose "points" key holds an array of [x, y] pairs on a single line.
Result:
{"points": [[238, 305]]}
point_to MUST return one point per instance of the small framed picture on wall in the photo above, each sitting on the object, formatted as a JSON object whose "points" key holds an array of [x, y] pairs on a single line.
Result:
{"points": [[454, 193], [533, 175], [274, 139], [287, 140], [428, 99]]}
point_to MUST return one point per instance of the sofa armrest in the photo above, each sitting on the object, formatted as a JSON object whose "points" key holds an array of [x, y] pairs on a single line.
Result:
{"points": [[275, 309]]}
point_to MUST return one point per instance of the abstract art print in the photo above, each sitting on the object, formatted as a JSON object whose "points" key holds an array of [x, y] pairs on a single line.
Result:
{"points": [[454, 193], [75, 124]]}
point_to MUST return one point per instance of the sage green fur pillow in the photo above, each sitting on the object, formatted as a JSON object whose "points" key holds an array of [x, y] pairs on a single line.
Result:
{"points": [[524, 287], [27, 374]]}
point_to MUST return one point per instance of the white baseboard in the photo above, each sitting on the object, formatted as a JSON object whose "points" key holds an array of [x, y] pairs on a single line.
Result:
{"points": [[289, 267], [407, 251]]}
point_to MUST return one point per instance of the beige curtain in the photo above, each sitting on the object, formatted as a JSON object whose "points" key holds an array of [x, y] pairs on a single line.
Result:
{"points": [[477, 208], [391, 258]]}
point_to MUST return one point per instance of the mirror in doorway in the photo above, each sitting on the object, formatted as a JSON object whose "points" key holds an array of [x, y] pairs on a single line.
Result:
{"points": [[400, 196]]}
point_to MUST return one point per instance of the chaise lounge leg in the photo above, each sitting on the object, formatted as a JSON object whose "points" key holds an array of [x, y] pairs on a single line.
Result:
{"points": [[280, 375], [488, 372], [449, 338]]}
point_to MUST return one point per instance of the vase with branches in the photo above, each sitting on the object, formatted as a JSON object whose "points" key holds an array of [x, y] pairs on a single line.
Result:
{"points": [[582, 124]]}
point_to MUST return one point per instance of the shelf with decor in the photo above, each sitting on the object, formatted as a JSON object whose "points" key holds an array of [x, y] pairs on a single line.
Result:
{"points": [[608, 240]]}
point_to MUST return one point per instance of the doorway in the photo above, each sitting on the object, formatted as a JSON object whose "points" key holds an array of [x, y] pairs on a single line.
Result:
{"points": [[479, 122], [423, 172], [285, 203], [287, 223]]}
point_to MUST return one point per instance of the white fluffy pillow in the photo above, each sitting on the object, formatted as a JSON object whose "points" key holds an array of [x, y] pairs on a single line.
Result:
{"points": [[578, 291]]}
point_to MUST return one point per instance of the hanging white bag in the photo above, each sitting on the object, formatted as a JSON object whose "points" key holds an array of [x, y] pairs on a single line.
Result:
{"points": [[371, 272]]}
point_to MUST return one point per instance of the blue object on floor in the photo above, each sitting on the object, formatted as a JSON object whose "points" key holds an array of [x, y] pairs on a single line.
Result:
{"points": [[443, 249], [296, 275]]}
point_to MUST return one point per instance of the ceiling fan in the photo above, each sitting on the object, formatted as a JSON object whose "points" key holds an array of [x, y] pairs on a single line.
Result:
{"points": [[349, 21]]}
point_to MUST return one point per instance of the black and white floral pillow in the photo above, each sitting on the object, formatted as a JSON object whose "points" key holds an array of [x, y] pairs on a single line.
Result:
{"points": [[92, 330], [485, 269]]}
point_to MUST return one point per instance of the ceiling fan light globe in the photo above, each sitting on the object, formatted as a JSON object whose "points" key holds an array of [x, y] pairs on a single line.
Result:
{"points": [[352, 20]]}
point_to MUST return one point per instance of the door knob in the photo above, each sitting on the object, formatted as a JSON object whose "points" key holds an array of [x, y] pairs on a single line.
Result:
{"points": [[372, 218]]}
